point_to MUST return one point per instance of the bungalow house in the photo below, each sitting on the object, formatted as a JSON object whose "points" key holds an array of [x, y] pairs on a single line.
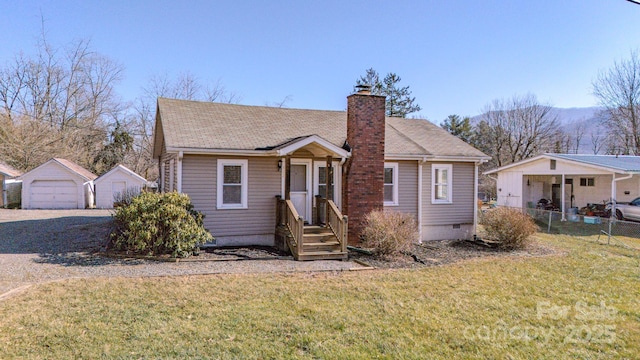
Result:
{"points": [[568, 180], [57, 184], [305, 179], [6, 174]]}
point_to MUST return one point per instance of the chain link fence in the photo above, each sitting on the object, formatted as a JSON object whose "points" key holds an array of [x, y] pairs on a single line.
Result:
{"points": [[602, 229]]}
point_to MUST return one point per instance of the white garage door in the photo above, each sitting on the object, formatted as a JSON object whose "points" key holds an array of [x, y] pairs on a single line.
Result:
{"points": [[54, 194]]}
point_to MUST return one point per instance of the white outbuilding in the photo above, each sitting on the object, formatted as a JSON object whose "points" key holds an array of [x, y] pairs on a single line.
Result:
{"points": [[57, 184], [115, 183]]}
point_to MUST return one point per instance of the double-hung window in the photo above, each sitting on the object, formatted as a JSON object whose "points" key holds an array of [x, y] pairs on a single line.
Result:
{"points": [[390, 184], [232, 184], [441, 192]]}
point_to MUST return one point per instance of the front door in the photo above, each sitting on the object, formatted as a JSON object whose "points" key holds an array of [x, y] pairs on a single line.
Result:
{"points": [[300, 190]]}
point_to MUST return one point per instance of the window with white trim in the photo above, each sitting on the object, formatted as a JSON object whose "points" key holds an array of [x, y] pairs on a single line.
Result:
{"points": [[232, 184], [587, 181], [441, 190], [390, 184]]}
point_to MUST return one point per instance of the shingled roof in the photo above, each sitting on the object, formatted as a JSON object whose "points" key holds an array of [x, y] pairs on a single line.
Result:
{"points": [[193, 125]]}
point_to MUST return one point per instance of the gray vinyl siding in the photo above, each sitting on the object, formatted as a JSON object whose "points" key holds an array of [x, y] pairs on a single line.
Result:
{"points": [[407, 188], [460, 211], [199, 182]]}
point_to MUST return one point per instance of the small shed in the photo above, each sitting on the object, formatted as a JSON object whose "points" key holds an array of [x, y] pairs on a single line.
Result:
{"points": [[58, 184], [6, 174], [115, 183]]}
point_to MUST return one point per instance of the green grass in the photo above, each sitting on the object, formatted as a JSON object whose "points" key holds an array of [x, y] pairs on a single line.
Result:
{"points": [[584, 303]]}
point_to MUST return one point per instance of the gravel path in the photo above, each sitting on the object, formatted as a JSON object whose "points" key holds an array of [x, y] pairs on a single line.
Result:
{"points": [[44, 245]]}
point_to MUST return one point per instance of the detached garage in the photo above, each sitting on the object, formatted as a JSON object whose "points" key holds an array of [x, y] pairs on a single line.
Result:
{"points": [[57, 184], [116, 182]]}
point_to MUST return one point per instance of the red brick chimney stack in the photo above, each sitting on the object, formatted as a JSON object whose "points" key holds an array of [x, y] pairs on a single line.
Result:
{"points": [[363, 179]]}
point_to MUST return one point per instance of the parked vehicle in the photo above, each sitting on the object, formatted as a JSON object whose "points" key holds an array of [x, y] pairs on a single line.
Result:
{"points": [[626, 211]]}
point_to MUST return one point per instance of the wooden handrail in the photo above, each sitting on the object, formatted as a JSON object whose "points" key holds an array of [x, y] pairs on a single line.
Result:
{"points": [[289, 217], [338, 224]]}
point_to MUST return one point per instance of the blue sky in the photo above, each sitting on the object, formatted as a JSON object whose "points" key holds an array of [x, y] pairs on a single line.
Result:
{"points": [[456, 56]]}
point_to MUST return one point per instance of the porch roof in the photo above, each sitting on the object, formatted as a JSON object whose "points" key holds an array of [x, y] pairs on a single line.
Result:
{"points": [[621, 164], [315, 144]]}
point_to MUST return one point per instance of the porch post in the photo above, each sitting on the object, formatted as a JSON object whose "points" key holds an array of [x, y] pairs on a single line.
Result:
{"points": [[329, 174], [287, 177], [329, 180]]}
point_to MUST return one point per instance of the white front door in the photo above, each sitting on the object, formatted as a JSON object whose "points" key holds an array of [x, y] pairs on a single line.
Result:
{"points": [[300, 193]]}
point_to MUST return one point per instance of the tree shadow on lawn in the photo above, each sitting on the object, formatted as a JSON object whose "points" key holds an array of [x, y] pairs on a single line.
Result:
{"points": [[67, 241]]}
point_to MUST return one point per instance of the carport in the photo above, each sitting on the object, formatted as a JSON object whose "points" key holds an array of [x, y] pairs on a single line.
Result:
{"points": [[568, 180]]}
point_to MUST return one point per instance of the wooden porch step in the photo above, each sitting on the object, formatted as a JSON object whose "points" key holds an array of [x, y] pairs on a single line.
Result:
{"points": [[324, 237], [315, 229], [323, 255]]}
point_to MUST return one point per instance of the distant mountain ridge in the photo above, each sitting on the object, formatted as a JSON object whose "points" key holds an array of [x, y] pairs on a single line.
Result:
{"points": [[570, 119]]}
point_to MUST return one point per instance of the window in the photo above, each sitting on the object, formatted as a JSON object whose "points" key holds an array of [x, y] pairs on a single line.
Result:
{"points": [[552, 165], [587, 181], [391, 184], [320, 180], [232, 184], [441, 184]]}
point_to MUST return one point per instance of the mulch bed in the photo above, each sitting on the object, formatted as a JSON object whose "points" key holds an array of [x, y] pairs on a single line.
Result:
{"points": [[433, 253]]}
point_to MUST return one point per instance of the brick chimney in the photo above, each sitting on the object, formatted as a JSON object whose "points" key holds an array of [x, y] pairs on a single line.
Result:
{"points": [[363, 178]]}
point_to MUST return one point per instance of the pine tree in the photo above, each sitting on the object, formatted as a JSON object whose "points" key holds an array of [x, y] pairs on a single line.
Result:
{"points": [[399, 102]]}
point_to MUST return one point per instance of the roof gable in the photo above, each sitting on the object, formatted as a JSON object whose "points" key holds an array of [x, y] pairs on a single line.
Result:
{"points": [[69, 166], [119, 168]]}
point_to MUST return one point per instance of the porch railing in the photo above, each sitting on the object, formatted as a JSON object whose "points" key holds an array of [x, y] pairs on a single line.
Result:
{"points": [[338, 224], [286, 215]]}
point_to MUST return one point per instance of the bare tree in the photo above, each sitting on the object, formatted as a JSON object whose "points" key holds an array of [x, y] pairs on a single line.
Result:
{"points": [[56, 103], [141, 121], [618, 90], [515, 129]]}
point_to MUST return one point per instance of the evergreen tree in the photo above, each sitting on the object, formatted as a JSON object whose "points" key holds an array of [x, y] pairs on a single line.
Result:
{"points": [[459, 127], [399, 102]]}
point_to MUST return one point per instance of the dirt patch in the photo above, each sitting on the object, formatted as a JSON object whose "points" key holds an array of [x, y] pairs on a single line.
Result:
{"points": [[442, 252]]}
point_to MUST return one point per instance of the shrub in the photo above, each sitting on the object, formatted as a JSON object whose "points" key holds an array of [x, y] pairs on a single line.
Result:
{"points": [[159, 224], [389, 233], [125, 197], [510, 228]]}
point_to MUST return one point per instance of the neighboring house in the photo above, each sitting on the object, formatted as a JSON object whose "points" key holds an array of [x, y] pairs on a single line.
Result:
{"points": [[568, 180], [117, 182], [7, 173], [57, 184], [234, 160]]}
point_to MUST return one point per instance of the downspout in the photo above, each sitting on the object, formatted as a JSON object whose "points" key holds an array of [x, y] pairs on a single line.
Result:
{"points": [[179, 181], [475, 194], [563, 199], [614, 189], [342, 161], [4, 192], [420, 163]]}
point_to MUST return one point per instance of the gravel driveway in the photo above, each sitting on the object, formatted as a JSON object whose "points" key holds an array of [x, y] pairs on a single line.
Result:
{"points": [[44, 245]]}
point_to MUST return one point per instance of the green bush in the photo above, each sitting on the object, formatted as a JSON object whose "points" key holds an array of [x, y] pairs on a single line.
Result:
{"points": [[389, 233], [159, 224], [509, 228]]}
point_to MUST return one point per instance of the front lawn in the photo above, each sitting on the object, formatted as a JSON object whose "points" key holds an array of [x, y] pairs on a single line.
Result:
{"points": [[584, 303]]}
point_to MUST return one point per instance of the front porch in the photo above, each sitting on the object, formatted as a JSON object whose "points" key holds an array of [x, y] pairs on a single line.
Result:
{"points": [[309, 222]]}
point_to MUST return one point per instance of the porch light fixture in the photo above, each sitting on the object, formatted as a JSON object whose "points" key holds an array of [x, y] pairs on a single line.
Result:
{"points": [[280, 165]]}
